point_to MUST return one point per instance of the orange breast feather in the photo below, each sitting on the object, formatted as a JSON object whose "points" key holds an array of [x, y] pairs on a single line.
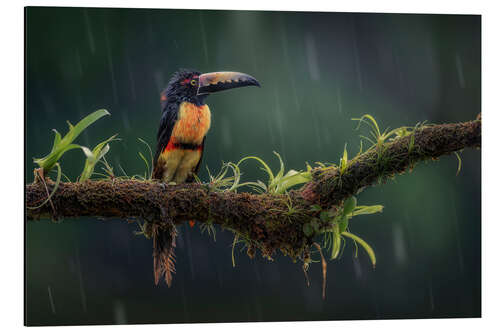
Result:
{"points": [[192, 125]]}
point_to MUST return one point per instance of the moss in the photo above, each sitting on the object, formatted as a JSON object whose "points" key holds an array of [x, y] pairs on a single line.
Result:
{"points": [[267, 222]]}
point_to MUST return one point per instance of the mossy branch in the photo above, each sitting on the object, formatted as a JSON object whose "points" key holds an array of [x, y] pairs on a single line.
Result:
{"points": [[376, 165], [266, 221]]}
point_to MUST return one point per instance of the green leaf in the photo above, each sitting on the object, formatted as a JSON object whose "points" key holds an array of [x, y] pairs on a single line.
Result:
{"points": [[48, 162], [292, 178], [150, 156], [364, 244], [75, 131], [266, 167], [343, 224], [57, 139], [315, 208], [145, 162], [372, 122], [364, 210], [282, 166], [411, 143], [62, 145], [308, 229], [324, 216], [237, 176], [93, 157], [262, 185], [336, 242], [343, 160], [349, 205]]}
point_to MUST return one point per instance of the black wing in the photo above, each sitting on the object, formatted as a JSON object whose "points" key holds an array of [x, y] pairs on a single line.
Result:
{"points": [[167, 122]]}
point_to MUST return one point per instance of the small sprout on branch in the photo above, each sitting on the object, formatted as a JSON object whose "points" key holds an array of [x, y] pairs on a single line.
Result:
{"points": [[344, 161], [279, 183], [94, 156], [149, 166]]}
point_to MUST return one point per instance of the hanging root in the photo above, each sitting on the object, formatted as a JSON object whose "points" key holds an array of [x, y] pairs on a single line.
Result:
{"points": [[323, 265]]}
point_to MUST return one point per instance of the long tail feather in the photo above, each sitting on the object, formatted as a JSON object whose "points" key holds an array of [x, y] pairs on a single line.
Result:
{"points": [[163, 253]]}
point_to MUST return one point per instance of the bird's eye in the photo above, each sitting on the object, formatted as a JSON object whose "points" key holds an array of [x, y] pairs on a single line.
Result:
{"points": [[193, 82]]}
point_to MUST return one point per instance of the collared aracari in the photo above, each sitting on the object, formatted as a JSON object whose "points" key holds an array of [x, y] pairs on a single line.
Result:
{"points": [[184, 123]]}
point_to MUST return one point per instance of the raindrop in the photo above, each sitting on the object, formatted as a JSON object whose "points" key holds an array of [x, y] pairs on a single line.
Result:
{"points": [[218, 274], [126, 120], [290, 72], [119, 313], [110, 65], [339, 98], [257, 271], [51, 300], [310, 294], [399, 244], [180, 241], [225, 129], [258, 306], [271, 131], [83, 296], [254, 57], [89, 31], [458, 63], [279, 121], [317, 128], [358, 272], [159, 80], [249, 312], [150, 31], [204, 37], [401, 75], [312, 58], [131, 78], [189, 249], [78, 62], [184, 301], [356, 58], [431, 295], [457, 235], [81, 112], [48, 104], [375, 303]]}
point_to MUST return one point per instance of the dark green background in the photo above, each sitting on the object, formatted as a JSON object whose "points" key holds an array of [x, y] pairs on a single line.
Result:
{"points": [[317, 70]]}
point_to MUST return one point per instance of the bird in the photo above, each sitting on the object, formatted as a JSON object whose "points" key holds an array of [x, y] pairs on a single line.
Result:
{"points": [[184, 124]]}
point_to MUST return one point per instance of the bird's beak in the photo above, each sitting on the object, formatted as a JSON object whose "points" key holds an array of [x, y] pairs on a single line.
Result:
{"points": [[218, 81]]}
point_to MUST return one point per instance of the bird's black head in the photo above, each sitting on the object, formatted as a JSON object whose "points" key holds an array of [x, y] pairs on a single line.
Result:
{"points": [[183, 87], [192, 86]]}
